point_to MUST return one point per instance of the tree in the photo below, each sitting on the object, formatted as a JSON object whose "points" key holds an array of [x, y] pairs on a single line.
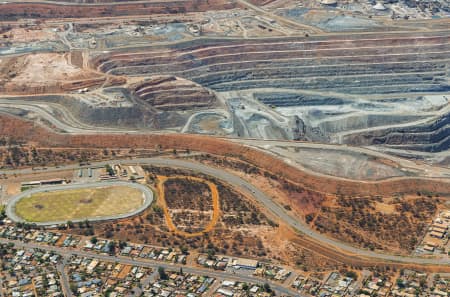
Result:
{"points": [[109, 170], [108, 234], [2, 214], [111, 247], [122, 244], [184, 250], [267, 288], [73, 287], [211, 253], [94, 240], [162, 273], [351, 274]]}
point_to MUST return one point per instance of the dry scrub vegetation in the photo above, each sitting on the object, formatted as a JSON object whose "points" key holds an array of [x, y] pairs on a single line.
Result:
{"points": [[14, 154], [189, 203], [243, 229], [389, 223], [375, 222]]}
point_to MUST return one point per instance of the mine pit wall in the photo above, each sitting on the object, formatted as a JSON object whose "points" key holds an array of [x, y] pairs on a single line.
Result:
{"points": [[364, 121], [54, 10], [98, 116], [431, 137], [169, 97], [26, 131], [408, 75], [419, 64], [58, 87], [106, 116]]}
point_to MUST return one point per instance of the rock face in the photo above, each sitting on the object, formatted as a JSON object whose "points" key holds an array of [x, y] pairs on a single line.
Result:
{"points": [[360, 66], [170, 93], [105, 116], [388, 89], [433, 136]]}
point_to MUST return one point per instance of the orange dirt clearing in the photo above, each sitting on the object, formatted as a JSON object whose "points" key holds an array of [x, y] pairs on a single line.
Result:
{"points": [[215, 198]]}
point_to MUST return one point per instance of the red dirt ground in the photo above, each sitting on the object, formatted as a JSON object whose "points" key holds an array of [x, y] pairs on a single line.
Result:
{"points": [[28, 132], [49, 10]]}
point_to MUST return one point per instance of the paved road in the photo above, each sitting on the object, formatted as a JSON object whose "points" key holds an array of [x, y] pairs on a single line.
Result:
{"points": [[67, 121], [1, 288], [147, 196], [154, 265], [423, 169], [65, 285], [280, 19], [268, 203]]}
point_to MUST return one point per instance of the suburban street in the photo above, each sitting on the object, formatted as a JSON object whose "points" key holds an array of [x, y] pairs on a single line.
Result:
{"points": [[265, 200], [64, 278], [66, 253]]}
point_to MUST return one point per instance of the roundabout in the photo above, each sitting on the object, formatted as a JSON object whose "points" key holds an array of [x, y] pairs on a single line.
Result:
{"points": [[97, 201]]}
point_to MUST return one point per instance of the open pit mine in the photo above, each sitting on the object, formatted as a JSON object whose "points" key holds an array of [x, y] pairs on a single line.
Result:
{"points": [[307, 137], [386, 90], [339, 83]]}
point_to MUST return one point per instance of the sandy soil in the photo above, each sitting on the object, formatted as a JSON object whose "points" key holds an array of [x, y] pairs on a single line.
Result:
{"points": [[55, 66], [12, 184], [45, 73], [29, 35]]}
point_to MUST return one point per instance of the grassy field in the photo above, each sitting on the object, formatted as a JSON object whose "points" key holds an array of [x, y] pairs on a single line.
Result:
{"points": [[79, 204]]}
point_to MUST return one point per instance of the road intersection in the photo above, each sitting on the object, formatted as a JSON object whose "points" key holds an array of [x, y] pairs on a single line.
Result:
{"points": [[67, 253]]}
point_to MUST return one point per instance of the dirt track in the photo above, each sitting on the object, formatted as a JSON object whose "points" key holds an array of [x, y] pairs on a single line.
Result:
{"points": [[170, 224]]}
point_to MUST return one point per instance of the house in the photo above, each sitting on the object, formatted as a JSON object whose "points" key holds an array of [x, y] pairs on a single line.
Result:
{"points": [[245, 264], [92, 265], [437, 234], [428, 248], [228, 283], [225, 292], [446, 215], [126, 250]]}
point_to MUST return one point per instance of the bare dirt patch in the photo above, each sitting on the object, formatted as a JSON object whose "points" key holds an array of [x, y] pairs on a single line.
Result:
{"points": [[45, 72], [39, 206], [86, 201]]}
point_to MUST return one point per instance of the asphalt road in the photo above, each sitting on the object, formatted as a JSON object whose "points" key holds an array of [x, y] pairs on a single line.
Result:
{"points": [[268, 203], [65, 284], [148, 199], [65, 252]]}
